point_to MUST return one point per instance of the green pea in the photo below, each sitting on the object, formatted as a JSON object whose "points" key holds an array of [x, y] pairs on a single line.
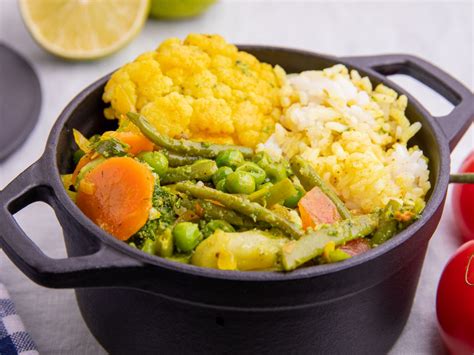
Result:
{"points": [[78, 154], [186, 236], [276, 172], [232, 158], [257, 172], [221, 185], [262, 159], [157, 161], [240, 182], [220, 174], [216, 224], [292, 201]]}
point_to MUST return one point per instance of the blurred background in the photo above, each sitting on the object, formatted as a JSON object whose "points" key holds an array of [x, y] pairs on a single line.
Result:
{"points": [[438, 31]]}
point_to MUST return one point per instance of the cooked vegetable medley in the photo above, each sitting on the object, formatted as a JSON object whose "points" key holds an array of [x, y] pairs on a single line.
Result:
{"points": [[209, 202]]}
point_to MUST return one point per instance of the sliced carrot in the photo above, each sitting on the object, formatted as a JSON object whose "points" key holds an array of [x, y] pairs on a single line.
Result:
{"points": [[137, 142], [316, 208], [117, 196], [86, 159]]}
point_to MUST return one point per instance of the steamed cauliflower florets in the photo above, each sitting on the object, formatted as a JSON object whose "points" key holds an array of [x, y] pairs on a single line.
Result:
{"points": [[201, 88]]}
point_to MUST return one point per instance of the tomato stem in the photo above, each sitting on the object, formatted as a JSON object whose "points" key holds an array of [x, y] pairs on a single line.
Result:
{"points": [[467, 178]]}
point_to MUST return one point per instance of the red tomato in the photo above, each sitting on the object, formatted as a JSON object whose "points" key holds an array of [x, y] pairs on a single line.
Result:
{"points": [[463, 202], [455, 301]]}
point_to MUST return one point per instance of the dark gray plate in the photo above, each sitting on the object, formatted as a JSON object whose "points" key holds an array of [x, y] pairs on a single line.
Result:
{"points": [[20, 100]]}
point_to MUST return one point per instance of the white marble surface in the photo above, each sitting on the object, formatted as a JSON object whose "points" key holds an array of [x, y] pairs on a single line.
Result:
{"points": [[441, 32]]}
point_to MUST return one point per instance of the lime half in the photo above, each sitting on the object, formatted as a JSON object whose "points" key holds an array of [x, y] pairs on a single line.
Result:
{"points": [[84, 29]]}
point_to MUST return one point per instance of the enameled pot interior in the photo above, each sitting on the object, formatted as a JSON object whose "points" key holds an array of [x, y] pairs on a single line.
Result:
{"points": [[87, 117]]}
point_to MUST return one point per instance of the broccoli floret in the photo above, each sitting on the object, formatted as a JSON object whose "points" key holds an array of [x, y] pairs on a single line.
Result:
{"points": [[148, 231], [164, 201]]}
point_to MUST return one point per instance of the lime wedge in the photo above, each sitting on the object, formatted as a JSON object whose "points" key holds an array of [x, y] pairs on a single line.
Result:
{"points": [[84, 29]]}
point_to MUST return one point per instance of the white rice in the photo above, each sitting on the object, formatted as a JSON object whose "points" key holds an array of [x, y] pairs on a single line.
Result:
{"points": [[355, 137]]}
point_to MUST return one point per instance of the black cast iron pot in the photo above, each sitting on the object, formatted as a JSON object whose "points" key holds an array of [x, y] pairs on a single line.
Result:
{"points": [[136, 303]]}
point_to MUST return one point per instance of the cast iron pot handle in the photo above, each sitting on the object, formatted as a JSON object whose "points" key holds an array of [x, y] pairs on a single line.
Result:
{"points": [[458, 120], [84, 271]]}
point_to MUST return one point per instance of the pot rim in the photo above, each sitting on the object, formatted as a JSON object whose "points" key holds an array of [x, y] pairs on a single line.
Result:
{"points": [[438, 191]]}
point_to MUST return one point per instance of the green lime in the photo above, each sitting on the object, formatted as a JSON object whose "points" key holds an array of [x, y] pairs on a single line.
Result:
{"points": [[175, 9]]}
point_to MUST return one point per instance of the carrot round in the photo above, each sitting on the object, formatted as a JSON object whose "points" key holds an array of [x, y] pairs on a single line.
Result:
{"points": [[117, 196], [137, 142], [316, 208]]}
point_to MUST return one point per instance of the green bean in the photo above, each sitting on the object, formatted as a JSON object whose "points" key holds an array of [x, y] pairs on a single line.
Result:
{"points": [[280, 192], [292, 201], [387, 223], [309, 179], [260, 193], [183, 146], [210, 210], [164, 244], [271, 194], [311, 245], [241, 205], [200, 170], [175, 160]]}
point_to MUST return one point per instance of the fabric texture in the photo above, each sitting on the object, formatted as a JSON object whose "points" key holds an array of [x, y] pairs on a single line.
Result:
{"points": [[13, 337]]}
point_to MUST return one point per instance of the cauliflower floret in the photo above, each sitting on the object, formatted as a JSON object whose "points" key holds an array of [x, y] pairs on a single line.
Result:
{"points": [[172, 53], [170, 114], [202, 88], [212, 116], [211, 44]]}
